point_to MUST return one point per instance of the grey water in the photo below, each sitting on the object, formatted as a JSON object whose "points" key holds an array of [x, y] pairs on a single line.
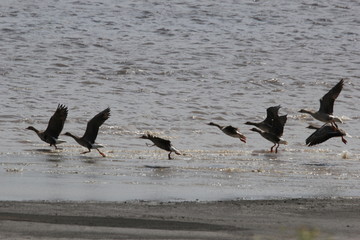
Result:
{"points": [[170, 67]]}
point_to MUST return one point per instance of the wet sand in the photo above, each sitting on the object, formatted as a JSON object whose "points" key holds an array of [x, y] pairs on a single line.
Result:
{"points": [[243, 219]]}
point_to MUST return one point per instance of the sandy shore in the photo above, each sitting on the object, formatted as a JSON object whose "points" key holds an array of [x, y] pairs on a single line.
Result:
{"points": [[303, 219]]}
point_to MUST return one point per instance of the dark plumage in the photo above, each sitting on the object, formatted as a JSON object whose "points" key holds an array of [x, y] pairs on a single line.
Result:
{"points": [[278, 125], [266, 125], [230, 131], [325, 112], [91, 132], [324, 133], [272, 128], [162, 143], [54, 128]]}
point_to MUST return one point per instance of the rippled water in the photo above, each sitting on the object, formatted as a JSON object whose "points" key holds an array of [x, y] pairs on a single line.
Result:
{"points": [[170, 68]]}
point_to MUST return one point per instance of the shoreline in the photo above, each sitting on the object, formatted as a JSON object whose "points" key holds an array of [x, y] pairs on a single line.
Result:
{"points": [[333, 218]]}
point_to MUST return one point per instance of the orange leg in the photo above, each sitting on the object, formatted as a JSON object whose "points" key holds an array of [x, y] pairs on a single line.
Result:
{"points": [[101, 153]]}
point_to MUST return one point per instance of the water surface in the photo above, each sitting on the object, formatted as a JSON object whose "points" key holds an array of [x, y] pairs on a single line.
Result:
{"points": [[170, 68]]}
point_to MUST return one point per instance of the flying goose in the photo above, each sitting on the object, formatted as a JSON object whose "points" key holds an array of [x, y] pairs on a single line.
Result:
{"points": [[230, 131], [91, 132], [54, 128], [324, 133], [325, 112], [161, 143], [276, 129]]}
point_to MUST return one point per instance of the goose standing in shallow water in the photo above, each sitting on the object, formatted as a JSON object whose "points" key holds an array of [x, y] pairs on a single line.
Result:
{"points": [[54, 128], [91, 132], [161, 143], [325, 112], [276, 129], [324, 133], [230, 131]]}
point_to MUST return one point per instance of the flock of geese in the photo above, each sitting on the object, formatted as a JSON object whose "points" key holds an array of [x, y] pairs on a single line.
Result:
{"points": [[271, 128]]}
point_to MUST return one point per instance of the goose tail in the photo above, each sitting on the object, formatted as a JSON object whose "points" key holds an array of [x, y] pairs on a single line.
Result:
{"points": [[59, 141]]}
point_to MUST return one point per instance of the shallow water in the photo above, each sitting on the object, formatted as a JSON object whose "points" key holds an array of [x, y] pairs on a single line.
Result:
{"points": [[170, 68]]}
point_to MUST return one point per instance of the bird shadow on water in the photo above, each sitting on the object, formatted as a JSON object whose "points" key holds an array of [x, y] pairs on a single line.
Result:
{"points": [[159, 172], [156, 167], [54, 158], [271, 156], [43, 150], [267, 155], [319, 164], [49, 155], [89, 159]]}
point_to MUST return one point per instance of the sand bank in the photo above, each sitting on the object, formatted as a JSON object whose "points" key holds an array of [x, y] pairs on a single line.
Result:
{"points": [[242, 219]]}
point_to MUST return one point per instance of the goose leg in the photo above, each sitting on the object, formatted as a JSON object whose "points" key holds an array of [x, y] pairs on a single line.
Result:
{"points": [[343, 140], [334, 125], [276, 149], [101, 153], [169, 156], [86, 152], [243, 139], [271, 149]]}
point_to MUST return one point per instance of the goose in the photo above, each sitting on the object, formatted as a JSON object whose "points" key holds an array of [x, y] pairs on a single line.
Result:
{"points": [[324, 133], [161, 143], [268, 121], [91, 132], [54, 128], [325, 112], [230, 131], [271, 137], [275, 131]]}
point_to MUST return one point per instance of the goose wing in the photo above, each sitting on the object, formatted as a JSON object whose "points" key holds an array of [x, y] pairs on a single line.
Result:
{"points": [[93, 125], [271, 113], [230, 130], [162, 143], [278, 125], [56, 122], [323, 134], [327, 101]]}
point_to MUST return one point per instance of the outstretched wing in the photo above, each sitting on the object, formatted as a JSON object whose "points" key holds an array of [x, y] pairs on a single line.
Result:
{"points": [[327, 101], [271, 113], [93, 125], [56, 122], [278, 125], [323, 134]]}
